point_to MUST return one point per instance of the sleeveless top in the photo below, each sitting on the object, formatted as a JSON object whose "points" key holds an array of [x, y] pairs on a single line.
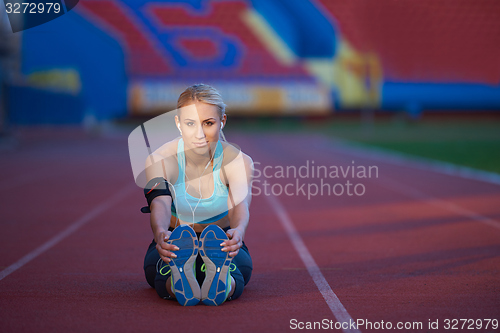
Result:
{"points": [[196, 210]]}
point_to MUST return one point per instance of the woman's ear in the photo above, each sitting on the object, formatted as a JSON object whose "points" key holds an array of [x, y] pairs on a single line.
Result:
{"points": [[177, 122], [223, 121]]}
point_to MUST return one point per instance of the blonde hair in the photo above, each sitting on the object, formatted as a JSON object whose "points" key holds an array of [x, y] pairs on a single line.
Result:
{"points": [[202, 93]]}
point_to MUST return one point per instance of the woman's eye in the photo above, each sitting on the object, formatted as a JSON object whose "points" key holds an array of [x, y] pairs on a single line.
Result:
{"points": [[190, 123]]}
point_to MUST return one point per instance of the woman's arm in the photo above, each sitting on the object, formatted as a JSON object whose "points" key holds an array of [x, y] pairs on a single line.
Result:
{"points": [[160, 222], [160, 208], [239, 173]]}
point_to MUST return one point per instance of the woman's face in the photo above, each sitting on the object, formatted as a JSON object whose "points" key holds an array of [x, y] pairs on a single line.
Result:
{"points": [[200, 126]]}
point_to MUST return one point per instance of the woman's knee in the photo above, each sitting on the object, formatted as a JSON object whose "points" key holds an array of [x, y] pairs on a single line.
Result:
{"points": [[238, 285], [246, 272], [150, 262], [160, 285], [150, 272], [244, 263]]}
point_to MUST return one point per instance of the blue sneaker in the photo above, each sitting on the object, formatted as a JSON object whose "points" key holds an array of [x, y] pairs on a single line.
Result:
{"points": [[184, 284], [217, 283]]}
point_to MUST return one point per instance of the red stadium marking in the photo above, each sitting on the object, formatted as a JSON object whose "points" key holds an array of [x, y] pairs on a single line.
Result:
{"points": [[433, 41], [200, 48], [227, 17], [144, 55]]}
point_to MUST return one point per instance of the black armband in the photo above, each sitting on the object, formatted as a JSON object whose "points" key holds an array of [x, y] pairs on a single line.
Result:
{"points": [[154, 188]]}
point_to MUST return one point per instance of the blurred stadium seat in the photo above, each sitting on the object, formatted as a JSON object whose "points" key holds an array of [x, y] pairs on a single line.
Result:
{"points": [[268, 56]]}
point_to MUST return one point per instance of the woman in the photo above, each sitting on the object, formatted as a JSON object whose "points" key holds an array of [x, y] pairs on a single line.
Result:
{"points": [[197, 187]]}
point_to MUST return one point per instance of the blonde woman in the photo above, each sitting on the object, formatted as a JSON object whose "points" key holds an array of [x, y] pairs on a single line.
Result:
{"points": [[199, 196]]}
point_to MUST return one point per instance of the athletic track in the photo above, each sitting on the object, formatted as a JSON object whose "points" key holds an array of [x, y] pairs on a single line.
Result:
{"points": [[419, 245]]}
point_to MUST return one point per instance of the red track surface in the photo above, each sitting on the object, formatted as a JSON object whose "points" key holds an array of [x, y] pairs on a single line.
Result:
{"points": [[401, 252]]}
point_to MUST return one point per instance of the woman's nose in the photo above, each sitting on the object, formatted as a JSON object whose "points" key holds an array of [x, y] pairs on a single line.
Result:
{"points": [[199, 132]]}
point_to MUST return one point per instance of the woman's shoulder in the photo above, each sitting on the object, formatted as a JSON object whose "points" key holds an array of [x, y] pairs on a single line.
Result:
{"points": [[233, 152], [163, 161], [166, 153], [168, 149]]}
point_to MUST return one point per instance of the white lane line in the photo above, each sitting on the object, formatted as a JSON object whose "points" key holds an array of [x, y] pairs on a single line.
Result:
{"points": [[415, 162], [395, 186], [331, 299], [69, 230], [427, 165]]}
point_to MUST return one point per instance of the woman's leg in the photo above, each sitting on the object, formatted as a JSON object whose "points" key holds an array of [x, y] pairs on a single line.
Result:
{"points": [[162, 283], [240, 272], [157, 272], [150, 261]]}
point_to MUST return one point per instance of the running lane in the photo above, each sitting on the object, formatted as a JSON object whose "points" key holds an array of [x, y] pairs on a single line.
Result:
{"points": [[416, 246], [76, 193]]}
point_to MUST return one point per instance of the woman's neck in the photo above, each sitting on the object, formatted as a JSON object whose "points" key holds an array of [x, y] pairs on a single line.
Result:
{"points": [[197, 161]]}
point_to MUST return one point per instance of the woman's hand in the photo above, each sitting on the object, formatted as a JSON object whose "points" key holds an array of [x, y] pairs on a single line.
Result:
{"points": [[234, 243], [164, 249]]}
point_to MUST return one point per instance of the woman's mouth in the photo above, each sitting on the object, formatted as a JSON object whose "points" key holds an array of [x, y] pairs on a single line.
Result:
{"points": [[200, 144]]}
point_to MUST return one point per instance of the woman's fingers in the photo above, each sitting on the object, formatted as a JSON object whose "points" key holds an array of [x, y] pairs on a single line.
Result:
{"points": [[166, 255], [165, 259], [234, 238], [165, 251], [169, 247], [233, 244], [232, 248]]}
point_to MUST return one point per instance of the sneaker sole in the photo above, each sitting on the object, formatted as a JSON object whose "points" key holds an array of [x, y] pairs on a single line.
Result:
{"points": [[217, 262], [184, 284]]}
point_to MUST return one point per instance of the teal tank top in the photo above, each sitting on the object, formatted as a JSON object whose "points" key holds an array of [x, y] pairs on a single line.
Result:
{"points": [[196, 210]]}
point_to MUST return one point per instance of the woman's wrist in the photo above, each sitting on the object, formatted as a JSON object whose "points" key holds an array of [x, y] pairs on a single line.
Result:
{"points": [[157, 234], [241, 231]]}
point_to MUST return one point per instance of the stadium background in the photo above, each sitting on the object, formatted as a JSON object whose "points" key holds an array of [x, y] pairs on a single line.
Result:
{"points": [[411, 86], [112, 59]]}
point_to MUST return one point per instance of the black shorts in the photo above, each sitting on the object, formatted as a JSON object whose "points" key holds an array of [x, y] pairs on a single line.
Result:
{"points": [[153, 262]]}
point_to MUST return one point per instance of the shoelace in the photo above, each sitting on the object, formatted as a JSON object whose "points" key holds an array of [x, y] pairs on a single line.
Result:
{"points": [[161, 270], [160, 265], [232, 267]]}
